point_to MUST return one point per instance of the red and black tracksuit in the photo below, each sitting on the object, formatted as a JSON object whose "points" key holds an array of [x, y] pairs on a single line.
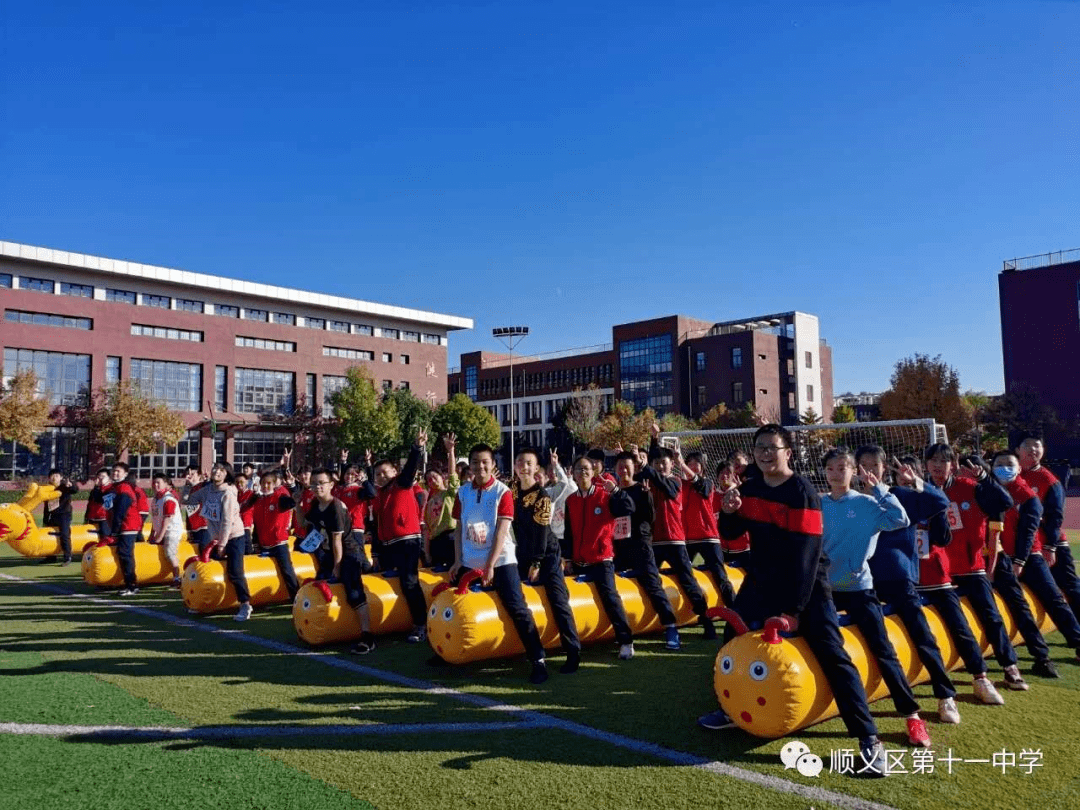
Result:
{"points": [[198, 531], [246, 501], [702, 535], [125, 525], [636, 549], [1052, 494], [272, 517], [97, 509], [400, 543]]}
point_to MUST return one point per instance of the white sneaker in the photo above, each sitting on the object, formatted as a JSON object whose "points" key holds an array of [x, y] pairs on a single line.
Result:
{"points": [[947, 712], [244, 613], [626, 651], [987, 693]]}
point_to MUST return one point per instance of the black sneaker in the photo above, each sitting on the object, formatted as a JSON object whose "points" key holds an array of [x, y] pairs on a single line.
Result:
{"points": [[715, 721], [65, 561], [573, 661], [539, 672], [129, 592], [365, 645], [1044, 668], [710, 629]]}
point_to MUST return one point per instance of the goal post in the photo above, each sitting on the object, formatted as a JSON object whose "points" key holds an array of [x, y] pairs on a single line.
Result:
{"points": [[811, 442]]}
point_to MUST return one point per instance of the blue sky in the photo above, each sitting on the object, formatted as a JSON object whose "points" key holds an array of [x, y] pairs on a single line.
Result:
{"points": [[565, 165]]}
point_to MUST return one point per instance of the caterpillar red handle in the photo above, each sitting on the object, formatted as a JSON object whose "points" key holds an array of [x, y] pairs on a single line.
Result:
{"points": [[189, 561], [729, 616], [442, 586], [468, 579], [324, 588], [204, 555], [773, 627]]}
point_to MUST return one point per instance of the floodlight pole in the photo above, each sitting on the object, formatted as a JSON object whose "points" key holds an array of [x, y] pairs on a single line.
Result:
{"points": [[511, 336]]}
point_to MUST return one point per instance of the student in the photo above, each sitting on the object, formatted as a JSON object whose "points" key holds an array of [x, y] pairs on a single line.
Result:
{"points": [[1021, 560], [464, 470], [539, 554], [219, 506], [852, 523], [142, 504], [895, 564], [57, 512], [99, 502], [599, 460], [736, 551], [559, 488], [125, 524], [788, 577], [272, 515], [303, 493], [634, 534], [341, 554], [484, 540], [248, 471], [1030, 450], [590, 524], [397, 519], [668, 535], [198, 534], [699, 523], [166, 521], [974, 497], [439, 523], [245, 497]]}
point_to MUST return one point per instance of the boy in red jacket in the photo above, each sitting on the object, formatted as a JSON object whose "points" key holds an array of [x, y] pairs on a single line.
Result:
{"points": [[699, 523], [99, 503], [590, 527], [272, 514], [125, 525], [245, 497]]}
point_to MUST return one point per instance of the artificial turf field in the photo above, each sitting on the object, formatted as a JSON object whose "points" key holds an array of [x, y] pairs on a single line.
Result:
{"points": [[206, 712]]}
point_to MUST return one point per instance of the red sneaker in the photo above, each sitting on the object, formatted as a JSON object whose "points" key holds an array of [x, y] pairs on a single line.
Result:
{"points": [[917, 733]]}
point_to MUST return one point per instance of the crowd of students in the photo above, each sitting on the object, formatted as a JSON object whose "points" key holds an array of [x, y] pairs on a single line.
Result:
{"points": [[965, 527]]}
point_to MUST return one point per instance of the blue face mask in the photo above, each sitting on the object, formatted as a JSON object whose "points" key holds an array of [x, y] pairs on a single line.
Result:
{"points": [[1005, 474]]}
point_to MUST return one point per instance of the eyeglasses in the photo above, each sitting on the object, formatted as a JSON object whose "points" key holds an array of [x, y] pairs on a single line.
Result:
{"points": [[767, 449]]}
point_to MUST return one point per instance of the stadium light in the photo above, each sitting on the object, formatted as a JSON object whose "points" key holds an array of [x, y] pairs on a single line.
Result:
{"points": [[511, 336]]}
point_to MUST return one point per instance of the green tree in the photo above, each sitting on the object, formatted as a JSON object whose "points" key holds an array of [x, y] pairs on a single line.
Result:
{"points": [[365, 421], [716, 418], [923, 387], [24, 414], [622, 427], [123, 419], [809, 417], [842, 414], [1021, 409], [471, 424], [676, 423], [413, 415], [584, 412]]}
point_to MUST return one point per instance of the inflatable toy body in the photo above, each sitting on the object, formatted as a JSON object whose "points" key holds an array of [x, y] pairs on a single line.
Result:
{"points": [[323, 616], [772, 686], [101, 564], [465, 625], [206, 587]]}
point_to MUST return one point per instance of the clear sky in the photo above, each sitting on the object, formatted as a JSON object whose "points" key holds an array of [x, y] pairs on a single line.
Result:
{"points": [[564, 165]]}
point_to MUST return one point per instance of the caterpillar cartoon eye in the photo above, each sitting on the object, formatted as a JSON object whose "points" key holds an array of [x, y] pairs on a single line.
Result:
{"points": [[307, 604], [726, 665], [758, 671], [193, 575], [448, 614], [433, 611]]}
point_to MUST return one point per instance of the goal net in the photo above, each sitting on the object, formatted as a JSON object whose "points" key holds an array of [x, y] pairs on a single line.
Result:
{"points": [[811, 442]]}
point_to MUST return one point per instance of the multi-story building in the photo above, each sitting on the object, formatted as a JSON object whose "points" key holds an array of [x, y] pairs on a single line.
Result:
{"points": [[1040, 335], [867, 406], [673, 364], [224, 353]]}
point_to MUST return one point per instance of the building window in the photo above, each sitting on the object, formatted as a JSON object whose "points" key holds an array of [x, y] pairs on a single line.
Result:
{"points": [[315, 323], [763, 391], [809, 359], [257, 390], [36, 284], [645, 368], [309, 392], [470, 382], [42, 319], [77, 290], [221, 377], [159, 301], [331, 384], [736, 357], [256, 315], [736, 392], [393, 334], [339, 326], [286, 318], [701, 397], [227, 310], [348, 354], [64, 378], [433, 340], [260, 448], [265, 343], [173, 460], [403, 385], [178, 385], [142, 330], [699, 361], [791, 400], [63, 447], [362, 329], [387, 385], [762, 356], [404, 359], [112, 370], [120, 296], [5, 280], [387, 357], [411, 337], [809, 393], [189, 305]]}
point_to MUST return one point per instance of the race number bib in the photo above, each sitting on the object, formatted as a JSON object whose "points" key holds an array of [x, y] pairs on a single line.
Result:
{"points": [[107, 501], [478, 535], [622, 527], [314, 539], [922, 543], [54, 504], [953, 516], [211, 510]]}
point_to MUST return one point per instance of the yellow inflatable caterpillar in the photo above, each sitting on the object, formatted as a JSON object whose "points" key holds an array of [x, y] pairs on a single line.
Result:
{"points": [[206, 587], [20, 530], [771, 686], [323, 616], [101, 564], [465, 625]]}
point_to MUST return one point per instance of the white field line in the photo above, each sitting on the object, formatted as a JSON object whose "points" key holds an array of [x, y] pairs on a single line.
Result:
{"points": [[533, 719]]}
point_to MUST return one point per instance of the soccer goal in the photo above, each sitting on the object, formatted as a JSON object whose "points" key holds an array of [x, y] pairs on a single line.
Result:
{"points": [[811, 442]]}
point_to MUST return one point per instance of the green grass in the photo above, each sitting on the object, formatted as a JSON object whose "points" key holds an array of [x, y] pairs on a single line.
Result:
{"points": [[64, 661]]}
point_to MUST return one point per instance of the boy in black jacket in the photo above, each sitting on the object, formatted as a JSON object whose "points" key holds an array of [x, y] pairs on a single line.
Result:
{"points": [[58, 512]]}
